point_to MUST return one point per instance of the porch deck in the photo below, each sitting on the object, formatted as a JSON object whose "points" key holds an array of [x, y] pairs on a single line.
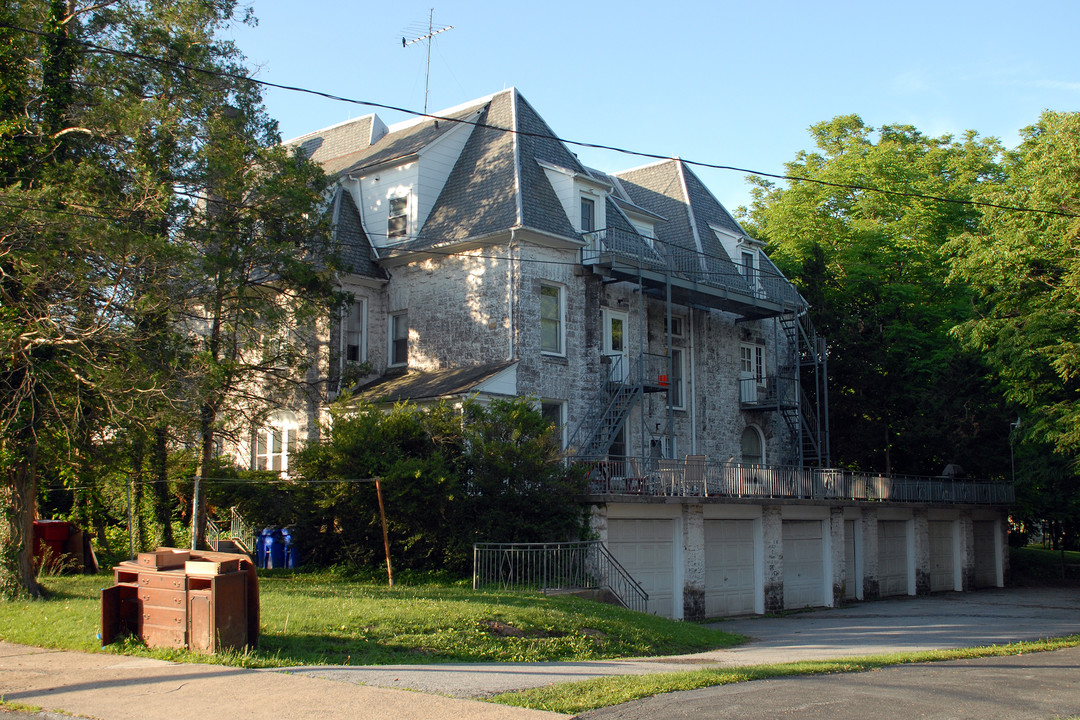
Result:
{"points": [[696, 476]]}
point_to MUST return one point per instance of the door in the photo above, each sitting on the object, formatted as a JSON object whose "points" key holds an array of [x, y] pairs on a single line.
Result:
{"points": [[892, 557], [804, 564], [645, 547], [747, 379], [942, 563], [615, 345], [730, 560], [985, 553]]}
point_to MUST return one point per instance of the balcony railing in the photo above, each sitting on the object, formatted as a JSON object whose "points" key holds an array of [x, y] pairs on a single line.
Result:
{"points": [[690, 264], [698, 477]]}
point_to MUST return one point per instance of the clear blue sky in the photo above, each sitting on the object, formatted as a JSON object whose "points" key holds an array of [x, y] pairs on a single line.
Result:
{"points": [[733, 83]]}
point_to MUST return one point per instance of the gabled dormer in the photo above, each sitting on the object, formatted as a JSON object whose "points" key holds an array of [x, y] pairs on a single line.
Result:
{"points": [[583, 197], [397, 181]]}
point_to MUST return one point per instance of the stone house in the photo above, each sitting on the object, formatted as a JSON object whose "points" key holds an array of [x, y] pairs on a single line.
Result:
{"points": [[678, 361]]}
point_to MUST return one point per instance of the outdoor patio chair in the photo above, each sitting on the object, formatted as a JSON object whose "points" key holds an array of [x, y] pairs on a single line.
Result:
{"points": [[694, 475]]}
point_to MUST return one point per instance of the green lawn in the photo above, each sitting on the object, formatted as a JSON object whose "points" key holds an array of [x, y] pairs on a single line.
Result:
{"points": [[321, 618], [1036, 564]]}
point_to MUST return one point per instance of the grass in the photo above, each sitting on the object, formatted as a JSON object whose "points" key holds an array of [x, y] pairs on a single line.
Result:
{"points": [[576, 697], [1036, 565], [323, 618]]}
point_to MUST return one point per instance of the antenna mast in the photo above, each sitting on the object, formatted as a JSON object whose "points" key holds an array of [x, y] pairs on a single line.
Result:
{"points": [[432, 32]]}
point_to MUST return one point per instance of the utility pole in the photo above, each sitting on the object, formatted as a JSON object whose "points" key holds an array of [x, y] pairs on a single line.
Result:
{"points": [[432, 32]]}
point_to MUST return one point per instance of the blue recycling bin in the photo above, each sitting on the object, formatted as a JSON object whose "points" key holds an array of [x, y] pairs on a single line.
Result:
{"points": [[273, 553], [292, 551], [260, 548]]}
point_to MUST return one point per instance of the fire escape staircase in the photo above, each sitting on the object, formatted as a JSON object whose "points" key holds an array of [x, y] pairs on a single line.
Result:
{"points": [[625, 384], [801, 400]]}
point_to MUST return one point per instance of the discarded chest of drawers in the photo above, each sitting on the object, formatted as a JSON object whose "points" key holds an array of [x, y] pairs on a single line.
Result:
{"points": [[203, 601]]}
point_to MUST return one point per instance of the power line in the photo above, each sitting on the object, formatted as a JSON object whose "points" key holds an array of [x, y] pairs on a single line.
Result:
{"points": [[544, 136]]}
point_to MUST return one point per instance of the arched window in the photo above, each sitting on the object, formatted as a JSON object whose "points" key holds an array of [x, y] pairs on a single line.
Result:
{"points": [[753, 449], [275, 442]]}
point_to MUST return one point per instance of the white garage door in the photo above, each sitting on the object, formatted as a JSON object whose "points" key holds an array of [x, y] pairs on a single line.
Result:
{"points": [[804, 564], [985, 565], [851, 582], [942, 560], [729, 567], [892, 557], [646, 549]]}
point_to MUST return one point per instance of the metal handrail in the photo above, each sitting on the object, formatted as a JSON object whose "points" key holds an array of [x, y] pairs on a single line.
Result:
{"points": [[240, 532], [555, 566], [660, 477]]}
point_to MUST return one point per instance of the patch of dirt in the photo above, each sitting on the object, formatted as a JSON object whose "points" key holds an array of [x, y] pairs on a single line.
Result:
{"points": [[503, 629]]}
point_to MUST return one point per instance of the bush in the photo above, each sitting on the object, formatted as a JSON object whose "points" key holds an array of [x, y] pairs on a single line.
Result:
{"points": [[449, 477]]}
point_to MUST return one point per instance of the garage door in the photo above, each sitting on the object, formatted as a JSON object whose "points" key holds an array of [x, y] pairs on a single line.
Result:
{"points": [[985, 564], [729, 567], [942, 560], [645, 548], [851, 582], [804, 564], [892, 557]]}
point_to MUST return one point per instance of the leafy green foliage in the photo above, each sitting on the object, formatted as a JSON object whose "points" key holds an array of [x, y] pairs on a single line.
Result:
{"points": [[450, 477], [151, 230], [1025, 271], [907, 396]]}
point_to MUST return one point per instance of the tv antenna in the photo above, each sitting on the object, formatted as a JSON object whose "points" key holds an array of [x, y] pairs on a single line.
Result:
{"points": [[431, 32]]}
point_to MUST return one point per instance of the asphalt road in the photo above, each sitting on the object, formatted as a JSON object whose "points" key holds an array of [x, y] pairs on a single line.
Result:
{"points": [[1028, 687], [949, 620]]}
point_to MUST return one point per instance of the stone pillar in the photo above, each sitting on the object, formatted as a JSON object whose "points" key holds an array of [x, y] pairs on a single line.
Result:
{"points": [[967, 550], [772, 530], [598, 522], [1003, 525], [922, 551], [693, 562], [871, 589], [839, 569]]}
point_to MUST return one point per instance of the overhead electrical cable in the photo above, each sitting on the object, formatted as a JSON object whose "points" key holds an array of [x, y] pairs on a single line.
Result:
{"points": [[543, 136]]}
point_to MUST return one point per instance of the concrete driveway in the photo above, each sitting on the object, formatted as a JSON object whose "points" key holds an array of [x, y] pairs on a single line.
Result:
{"points": [[948, 620]]}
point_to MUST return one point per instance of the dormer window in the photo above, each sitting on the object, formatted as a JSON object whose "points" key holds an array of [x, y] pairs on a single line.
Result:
{"points": [[397, 225], [588, 215], [748, 263]]}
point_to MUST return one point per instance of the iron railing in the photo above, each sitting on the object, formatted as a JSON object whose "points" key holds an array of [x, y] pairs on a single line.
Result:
{"points": [[690, 264], [555, 566], [239, 532], [697, 476]]}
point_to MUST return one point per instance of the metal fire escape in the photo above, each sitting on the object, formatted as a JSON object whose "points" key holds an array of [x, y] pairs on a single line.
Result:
{"points": [[682, 277]]}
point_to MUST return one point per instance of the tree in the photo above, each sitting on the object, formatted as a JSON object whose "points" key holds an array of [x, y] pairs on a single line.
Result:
{"points": [[907, 396], [450, 477], [1025, 271], [150, 223]]}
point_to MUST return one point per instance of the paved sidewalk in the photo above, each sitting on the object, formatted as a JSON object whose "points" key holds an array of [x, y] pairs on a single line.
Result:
{"points": [[949, 620], [114, 687]]}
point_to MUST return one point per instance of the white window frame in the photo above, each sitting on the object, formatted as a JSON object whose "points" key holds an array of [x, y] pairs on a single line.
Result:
{"points": [[401, 216], [356, 309], [590, 203], [559, 406], [274, 442], [678, 326], [560, 291], [392, 330], [677, 386]]}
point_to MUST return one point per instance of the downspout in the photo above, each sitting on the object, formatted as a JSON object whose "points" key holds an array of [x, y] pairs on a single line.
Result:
{"points": [[693, 387], [510, 292]]}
